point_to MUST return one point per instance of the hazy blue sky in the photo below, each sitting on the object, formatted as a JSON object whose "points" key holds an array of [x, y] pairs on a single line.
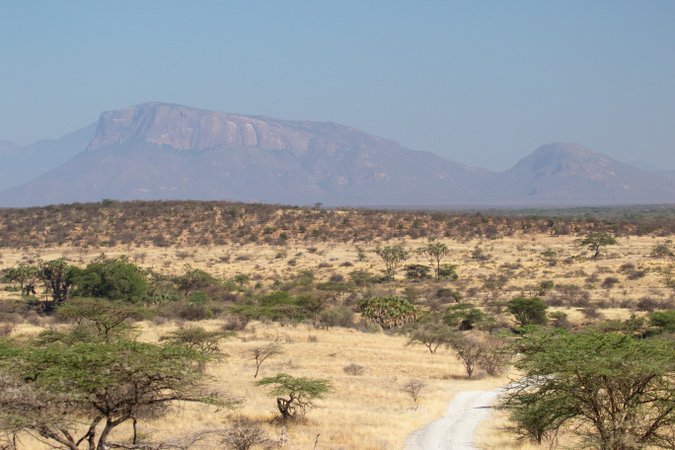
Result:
{"points": [[482, 83]]}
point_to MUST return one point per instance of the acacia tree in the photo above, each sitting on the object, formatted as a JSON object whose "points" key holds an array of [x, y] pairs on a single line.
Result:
{"points": [[197, 338], [295, 395], [463, 316], [596, 241], [528, 311], [614, 391], [25, 276], [431, 334], [469, 350], [392, 256], [106, 316], [260, 353], [434, 253], [100, 383]]}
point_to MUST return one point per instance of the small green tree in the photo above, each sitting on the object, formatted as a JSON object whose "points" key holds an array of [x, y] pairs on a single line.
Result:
{"points": [[664, 321], [463, 316], [528, 311], [26, 276], [388, 312], [431, 334], [416, 272], [614, 391], [193, 279], [295, 395], [242, 279], [550, 255], [197, 338], [434, 253], [114, 279], [596, 241], [107, 317], [661, 251], [392, 256]]}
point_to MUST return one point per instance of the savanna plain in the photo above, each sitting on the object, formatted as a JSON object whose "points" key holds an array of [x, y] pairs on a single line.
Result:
{"points": [[303, 283]]}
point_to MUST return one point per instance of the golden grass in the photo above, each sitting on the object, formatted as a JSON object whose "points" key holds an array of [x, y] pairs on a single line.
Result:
{"points": [[367, 411]]}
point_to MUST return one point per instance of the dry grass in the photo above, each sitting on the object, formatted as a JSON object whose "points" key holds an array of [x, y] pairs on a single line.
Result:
{"points": [[367, 411]]}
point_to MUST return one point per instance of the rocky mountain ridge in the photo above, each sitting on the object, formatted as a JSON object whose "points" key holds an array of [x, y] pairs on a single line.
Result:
{"points": [[164, 151]]}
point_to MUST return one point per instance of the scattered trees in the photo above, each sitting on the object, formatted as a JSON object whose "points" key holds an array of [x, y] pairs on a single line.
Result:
{"points": [[26, 276]]}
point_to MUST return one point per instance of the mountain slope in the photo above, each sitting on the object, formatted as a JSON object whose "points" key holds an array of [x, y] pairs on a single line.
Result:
{"points": [[21, 164], [163, 151], [171, 152], [566, 174]]}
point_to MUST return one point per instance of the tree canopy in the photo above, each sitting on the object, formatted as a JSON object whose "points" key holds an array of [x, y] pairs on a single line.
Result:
{"points": [[114, 279], [295, 395], [528, 311], [98, 382], [615, 392], [596, 241]]}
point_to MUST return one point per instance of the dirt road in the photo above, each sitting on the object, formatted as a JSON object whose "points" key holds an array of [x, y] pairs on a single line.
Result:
{"points": [[455, 430]]}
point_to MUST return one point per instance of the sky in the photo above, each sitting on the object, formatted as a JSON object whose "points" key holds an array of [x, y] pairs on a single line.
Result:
{"points": [[483, 83]]}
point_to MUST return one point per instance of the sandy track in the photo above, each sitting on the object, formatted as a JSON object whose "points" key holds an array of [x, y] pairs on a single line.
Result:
{"points": [[455, 430]]}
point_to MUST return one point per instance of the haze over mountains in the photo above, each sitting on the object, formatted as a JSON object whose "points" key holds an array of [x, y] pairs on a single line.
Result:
{"points": [[162, 151]]}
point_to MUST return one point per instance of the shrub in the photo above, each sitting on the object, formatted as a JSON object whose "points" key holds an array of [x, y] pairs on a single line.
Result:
{"points": [[353, 369], [609, 282], [664, 320], [388, 312], [647, 304], [445, 293]]}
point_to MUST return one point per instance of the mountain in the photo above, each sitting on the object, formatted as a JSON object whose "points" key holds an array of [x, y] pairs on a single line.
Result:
{"points": [[23, 163], [566, 174], [164, 151], [651, 168]]}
